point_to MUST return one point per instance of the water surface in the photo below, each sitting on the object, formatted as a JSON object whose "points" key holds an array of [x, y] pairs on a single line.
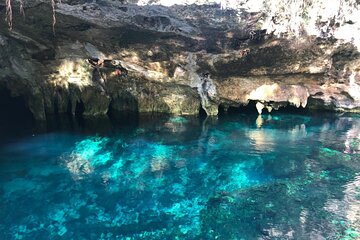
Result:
{"points": [[235, 177]]}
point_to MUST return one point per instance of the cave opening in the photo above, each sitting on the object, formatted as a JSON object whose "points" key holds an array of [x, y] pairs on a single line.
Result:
{"points": [[295, 110], [250, 108], [202, 112], [13, 109], [79, 109], [123, 116], [16, 118]]}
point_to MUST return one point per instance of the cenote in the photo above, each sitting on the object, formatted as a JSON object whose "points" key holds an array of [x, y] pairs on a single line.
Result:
{"points": [[180, 120], [279, 176]]}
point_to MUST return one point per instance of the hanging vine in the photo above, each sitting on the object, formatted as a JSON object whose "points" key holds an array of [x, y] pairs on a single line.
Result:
{"points": [[8, 17], [22, 12], [53, 15], [9, 14]]}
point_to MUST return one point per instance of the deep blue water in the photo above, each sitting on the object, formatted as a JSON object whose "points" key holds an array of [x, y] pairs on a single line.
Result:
{"points": [[235, 177]]}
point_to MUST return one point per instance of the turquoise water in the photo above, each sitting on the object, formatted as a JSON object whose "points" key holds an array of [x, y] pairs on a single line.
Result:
{"points": [[235, 177]]}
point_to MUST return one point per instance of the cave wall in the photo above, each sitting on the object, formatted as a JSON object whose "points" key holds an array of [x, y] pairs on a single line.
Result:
{"points": [[177, 63]]}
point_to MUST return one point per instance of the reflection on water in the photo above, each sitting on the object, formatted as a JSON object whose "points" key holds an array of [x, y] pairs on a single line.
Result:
{"points": [[233, 177]]}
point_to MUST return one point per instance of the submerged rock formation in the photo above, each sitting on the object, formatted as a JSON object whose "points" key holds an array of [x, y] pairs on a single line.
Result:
{"points": [[179, 59]]}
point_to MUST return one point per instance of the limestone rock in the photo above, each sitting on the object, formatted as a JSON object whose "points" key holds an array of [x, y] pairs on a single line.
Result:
{"points": [[155, 97], [179, 58]]}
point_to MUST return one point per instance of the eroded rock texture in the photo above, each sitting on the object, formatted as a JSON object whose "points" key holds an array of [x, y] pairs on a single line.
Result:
{"points": [[179, 59]]}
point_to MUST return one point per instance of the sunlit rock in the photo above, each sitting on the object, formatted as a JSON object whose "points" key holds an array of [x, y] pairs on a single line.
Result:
{"points": [[72, 71]]}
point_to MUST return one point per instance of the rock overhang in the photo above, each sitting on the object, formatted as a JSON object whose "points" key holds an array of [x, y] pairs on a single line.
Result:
{"points": [[169, 48]]}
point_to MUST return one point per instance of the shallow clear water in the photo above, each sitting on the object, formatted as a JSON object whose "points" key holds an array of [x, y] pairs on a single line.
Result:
{"points": [[236, 177]]}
